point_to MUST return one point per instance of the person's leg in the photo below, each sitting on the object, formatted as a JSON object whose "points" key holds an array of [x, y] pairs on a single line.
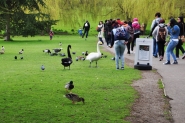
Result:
{"points": [[177, 50], [128, 47], [159, 48], [100, 39], [174, 44], [154, 46], [162, 49], [87, 33], [117, 53], [122, 49]]}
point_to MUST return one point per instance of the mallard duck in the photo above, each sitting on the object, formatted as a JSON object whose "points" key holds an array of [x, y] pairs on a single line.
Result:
{"points": [[69, 86], [75, 98]]}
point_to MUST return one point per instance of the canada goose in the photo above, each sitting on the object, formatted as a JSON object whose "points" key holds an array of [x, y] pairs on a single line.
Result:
{"points": [[2, 52], [21, 51], [66, 62], [56, 50], [3, 48], [94, 56], [69, 86], [75, 98], [47, 51], [15, 57]]}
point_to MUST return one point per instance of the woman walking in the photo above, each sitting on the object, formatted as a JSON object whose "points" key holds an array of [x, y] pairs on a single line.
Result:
{"points": [[179, 45], [174, 32]]}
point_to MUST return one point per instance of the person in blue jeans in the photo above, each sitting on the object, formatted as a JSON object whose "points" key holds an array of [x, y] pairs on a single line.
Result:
{"points": [[173, 30], [119, 47]]}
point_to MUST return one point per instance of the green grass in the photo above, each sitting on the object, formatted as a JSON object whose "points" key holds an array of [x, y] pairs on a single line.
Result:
{"points": [[30, 95]]}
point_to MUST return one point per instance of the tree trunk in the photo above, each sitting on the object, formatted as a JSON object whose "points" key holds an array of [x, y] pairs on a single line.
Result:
{"points": [[7, 36]]}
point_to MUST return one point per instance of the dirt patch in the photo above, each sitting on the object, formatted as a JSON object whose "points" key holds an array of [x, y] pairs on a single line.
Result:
{"points": [[151, 106]]}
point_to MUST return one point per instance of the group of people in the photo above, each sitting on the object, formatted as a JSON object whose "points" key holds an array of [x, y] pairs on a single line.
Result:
{"points": [[160, 31]]}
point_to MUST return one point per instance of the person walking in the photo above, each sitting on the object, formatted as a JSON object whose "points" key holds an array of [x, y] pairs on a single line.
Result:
{"points": [[51, 34], [101, 31], [136, 26], [180, 43], [155, 22], [107, 32], [174, 31], [86, 28], [130, 30], [119, 45], [160, 33]]}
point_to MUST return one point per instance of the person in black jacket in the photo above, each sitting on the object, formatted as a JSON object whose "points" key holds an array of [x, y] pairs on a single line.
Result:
{"points": [[182, 31], [86, 28], [107, 32]]}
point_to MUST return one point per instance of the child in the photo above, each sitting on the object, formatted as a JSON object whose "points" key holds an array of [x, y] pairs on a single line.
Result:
{"points": [[80, 32], [51, 34]]}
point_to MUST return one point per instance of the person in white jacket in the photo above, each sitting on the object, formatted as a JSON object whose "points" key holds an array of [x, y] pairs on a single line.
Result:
{"points": [[160, 33]]}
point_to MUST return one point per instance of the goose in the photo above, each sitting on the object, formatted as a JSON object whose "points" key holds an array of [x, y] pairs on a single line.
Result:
{"points": [[94, 56], [21, 51], [56, 50], [2, 52], [3, 48], [69, 86], [21, 57], [66, 62], [47, 51], [75, 98]]}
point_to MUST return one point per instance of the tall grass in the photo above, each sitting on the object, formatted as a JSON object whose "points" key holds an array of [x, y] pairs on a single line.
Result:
{"points": [[28, 94]]}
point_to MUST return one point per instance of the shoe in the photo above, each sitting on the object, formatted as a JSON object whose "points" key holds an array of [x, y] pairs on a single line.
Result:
{"points": [[122, 68], [128, 52], [175, 62], [155, 56], [160, 58], [117, 68], [183, 56], [167, 63], [177, 57]]}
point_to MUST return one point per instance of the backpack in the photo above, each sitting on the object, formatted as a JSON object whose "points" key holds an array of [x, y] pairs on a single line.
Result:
{"points": [[98, 29], [161, 36], [121, 34]]}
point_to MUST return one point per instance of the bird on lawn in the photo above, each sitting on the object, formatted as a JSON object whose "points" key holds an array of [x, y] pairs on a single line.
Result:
{"points": [[47, 51], [15, 57], [21, 57], [69, 86], [60, 44], [75, 98], [42, 67], [57, 50], [2, 48], [94, 56], [66, 62], [21, 51]]}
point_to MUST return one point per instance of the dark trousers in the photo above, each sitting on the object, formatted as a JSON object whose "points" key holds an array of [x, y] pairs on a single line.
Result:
{"points": [[161, 48], [134, 41], [179, 47], [128, 47], [86, 32]]}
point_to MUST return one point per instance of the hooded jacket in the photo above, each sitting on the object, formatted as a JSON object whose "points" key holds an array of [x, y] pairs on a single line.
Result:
{"points": [[156, 31]]}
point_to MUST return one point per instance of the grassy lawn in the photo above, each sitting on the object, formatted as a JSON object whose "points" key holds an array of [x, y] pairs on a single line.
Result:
{"points": [[28, 94]]}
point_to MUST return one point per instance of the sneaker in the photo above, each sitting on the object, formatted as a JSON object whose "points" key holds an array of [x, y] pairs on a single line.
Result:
{"points": [[128, 52], [183, 56], [167, 63], [122, 68], [177, 57], [175, 62], [117, 68]]}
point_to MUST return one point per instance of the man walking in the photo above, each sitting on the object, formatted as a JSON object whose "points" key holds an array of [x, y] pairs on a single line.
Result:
{"points": [[86, 28]]}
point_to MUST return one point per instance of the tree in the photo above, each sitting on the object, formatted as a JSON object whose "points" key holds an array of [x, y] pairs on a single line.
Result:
{"points": [[23, 17]]}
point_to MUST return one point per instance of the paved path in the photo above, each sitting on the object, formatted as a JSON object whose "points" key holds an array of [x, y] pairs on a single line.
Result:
{"points": [[174, 81]]}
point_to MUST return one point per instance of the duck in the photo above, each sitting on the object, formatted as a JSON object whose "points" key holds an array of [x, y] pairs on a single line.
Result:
{"points": [[66, 62], [69, 86], [75, 98], [94, 56], [21, 51]]}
